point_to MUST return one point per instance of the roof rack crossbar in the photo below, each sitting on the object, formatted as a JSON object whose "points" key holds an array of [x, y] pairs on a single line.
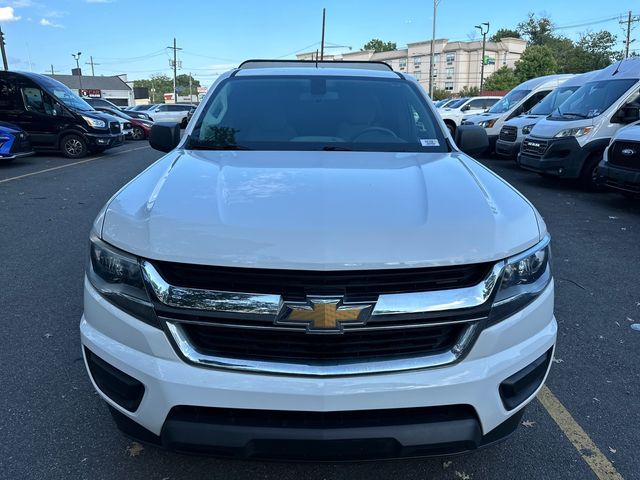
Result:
{"points": [[361, 64]]}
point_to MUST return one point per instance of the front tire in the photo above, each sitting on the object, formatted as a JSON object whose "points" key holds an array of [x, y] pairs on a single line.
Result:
{"points": [[589, 173], [73, 146], [137, 133]]}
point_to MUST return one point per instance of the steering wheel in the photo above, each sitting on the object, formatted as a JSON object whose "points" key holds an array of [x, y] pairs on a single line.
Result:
{"points": [[374, 129]]}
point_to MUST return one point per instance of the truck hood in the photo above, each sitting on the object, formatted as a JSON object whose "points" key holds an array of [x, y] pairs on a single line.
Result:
{"points": [[524, 120], [482, 116], [546, 128], [319, 211]]}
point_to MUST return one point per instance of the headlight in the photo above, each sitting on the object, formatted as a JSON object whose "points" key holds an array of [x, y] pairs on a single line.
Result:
{"points": [[118, 278], [94, 122], [574, 132], [487, 123], [526, 130], [524, 278]]}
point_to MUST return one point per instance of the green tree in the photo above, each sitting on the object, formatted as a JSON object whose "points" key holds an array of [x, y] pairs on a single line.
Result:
{"points": [[537, 30], [440, 94], [594, 50], [536, 61], [502, 79], [158, 84], [504, 33], [468, 91], [377, 45]]}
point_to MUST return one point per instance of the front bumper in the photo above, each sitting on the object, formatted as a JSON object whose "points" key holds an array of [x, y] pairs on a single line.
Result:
{"points": [[563, 157], [12, 156], [507, 149], [473, 415], [619, 178], [106, 140]]}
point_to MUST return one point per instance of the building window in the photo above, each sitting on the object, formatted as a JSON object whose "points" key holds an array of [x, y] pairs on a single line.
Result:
{"points": [[451, 57], [448, 86], [504, 58], [403, 63], [449, 73], [436, 58], [435, 72], [417, 61]]}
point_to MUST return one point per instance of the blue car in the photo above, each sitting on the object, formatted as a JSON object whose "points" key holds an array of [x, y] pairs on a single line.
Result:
{"points": [[14, 142]]}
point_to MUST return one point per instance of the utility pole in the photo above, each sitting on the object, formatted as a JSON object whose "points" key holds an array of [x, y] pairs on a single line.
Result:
{"points": [[4, 54], [76, 57], [175, 70], [92, 63], [432, 54], [484, 44], [631, 19], [324, 11], [52, 71], [190, 97]]}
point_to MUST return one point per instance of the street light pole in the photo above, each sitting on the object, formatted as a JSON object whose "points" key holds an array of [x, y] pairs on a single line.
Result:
{"points": [[76, 57], [431, 56], [484, 43]]}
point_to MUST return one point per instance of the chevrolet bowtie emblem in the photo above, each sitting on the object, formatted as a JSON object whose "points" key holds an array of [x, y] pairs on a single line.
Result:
{"points": [[323, 314]]}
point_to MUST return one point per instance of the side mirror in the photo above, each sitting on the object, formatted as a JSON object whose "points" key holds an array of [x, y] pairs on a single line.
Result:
{"points": [[157, 109], [164, 136], [465, 108], [627, 114], [472, 139]]}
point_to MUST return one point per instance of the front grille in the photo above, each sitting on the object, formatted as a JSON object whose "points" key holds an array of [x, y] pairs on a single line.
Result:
{"points": [[21, 144], [296, 284], [322, 348], [534, 147], [625, 154], [508, 134], [114, 127]]}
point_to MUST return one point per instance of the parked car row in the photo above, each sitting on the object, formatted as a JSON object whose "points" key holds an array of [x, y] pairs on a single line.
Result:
{"points": [[584, 127], [42, 114]]}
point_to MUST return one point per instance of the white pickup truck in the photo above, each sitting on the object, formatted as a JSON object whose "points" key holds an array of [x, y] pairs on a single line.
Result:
{"points": [[316, 270]]}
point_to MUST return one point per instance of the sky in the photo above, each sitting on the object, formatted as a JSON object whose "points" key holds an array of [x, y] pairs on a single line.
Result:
{"points": [[132, 36]]}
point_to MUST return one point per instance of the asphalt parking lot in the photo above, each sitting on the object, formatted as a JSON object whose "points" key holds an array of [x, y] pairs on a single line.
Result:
{"points": [[53, 425]]}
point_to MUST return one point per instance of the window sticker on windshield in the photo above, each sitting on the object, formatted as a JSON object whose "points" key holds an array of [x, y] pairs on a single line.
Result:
{"points": [[429, 142], [593, 113]]}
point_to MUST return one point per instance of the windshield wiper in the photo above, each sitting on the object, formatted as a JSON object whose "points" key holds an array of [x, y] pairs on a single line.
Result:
{"points": [[332, 148], [204, 146], [573, 114]]}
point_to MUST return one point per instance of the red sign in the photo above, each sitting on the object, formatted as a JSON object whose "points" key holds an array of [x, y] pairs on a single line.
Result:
{"points": [[91, 92]]}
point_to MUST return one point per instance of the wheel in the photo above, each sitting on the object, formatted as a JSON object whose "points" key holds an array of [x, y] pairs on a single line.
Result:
{"points": [[589, 174], [137, 133], [73, 146], [183, 123]]}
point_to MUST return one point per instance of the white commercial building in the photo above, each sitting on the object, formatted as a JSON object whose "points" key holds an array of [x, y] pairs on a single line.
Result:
{"points": [[113, 88], [456, 64]]}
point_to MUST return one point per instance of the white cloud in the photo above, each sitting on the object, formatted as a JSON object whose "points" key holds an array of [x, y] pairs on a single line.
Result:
{"points": [[8, 15], [21, 3], [48, 23]]}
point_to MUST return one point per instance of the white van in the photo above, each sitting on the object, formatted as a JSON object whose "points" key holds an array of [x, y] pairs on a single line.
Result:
{"points": [[517, 129], [570, 142], [519, 100], [453, 113]]}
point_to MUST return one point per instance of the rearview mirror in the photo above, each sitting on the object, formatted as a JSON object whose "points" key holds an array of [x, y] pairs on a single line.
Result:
{"points": [[472, 139], [465, 108], [164, 136]]}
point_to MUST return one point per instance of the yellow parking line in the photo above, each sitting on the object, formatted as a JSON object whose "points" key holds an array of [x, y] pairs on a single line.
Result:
{"points": [[70, 164], [600, 465]]}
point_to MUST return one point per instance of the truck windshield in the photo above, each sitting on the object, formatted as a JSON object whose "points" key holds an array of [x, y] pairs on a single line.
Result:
{"points": [[457, 103], [553, 100], [317, 113], [593, 98], [64, 94], [509, 101]]}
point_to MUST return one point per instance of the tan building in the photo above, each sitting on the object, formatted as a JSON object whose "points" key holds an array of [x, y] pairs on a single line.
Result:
{"points": [[456, 64]]}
